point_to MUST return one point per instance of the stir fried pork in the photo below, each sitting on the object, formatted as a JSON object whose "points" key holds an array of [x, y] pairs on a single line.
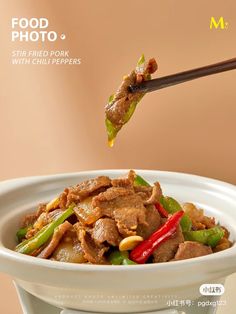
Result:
{"points": [[102, 215]]}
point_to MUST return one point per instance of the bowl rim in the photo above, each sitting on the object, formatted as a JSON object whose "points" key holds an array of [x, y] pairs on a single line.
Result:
{"points": [[48, 264]]}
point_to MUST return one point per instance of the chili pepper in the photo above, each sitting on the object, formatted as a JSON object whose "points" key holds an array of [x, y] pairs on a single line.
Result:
{"points": [[209, 237], [118, 258], [161, 210], [127, 261], [21, 233], [172, 206], [140, 181], [145, 249], [28, 246]]}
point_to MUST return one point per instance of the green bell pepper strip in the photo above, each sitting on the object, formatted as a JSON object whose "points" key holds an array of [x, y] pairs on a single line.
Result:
{"points": [[209, 237], [21, 233], [120, 258], [112, 129], [28, 246], [172, 206]]}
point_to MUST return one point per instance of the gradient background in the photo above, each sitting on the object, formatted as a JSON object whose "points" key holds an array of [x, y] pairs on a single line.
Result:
{"points": [[52, 117]]}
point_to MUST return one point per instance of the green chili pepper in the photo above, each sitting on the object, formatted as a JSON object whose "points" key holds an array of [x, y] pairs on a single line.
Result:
{"points": [[127, 261], [20, 235], [28, 246], [120, 258], [140, 181], [209, 237], [172, 206]]}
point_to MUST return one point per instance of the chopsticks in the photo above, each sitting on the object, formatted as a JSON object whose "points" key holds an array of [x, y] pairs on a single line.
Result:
{"points": [[177, 78]]}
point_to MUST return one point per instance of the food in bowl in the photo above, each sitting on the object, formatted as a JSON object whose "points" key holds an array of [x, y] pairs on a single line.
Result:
{"points": [[122, 104], [121, 221]]}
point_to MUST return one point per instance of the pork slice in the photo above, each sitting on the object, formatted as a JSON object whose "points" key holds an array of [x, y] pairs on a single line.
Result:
{"points": [[82, 190], [199, 220], [30, 219], [118, 108], [128, 219], [123, 89], [144, 192], [93, 252], [57, 235], [190, 249], [112, 198], [166, 251], [126, 182], [125, 206], [156, 194], [111, 194], [105, 230], [153, 221]]}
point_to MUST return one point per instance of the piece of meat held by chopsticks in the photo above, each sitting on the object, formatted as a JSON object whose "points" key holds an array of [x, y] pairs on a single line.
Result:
{"points": [[122, 104]]}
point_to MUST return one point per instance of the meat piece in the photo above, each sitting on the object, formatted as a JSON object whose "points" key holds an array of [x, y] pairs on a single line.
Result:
{"points": [[224, 243], [112, 198], [166, 251], [128, 219], [57, 235], [156, 194], [125, 206], [69, 249], [117, 197], [30, 219], [111, 194], [93, 252], [153, 220], [83, 190], [126, 182], [151, 66], [46, 218], [190, 249], [123, 88], [117, 109], [144, 192], [199, 220], [105, 230]]}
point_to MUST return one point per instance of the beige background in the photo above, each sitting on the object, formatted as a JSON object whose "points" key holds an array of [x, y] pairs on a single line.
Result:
{"points": [[51, 117]]}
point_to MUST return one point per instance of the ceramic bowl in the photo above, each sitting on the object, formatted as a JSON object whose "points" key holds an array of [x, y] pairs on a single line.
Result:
{"points": [[109, 288]]}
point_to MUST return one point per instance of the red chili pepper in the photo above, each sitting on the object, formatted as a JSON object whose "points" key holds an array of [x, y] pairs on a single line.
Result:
{"points": [[144, 250], [161, 210]]}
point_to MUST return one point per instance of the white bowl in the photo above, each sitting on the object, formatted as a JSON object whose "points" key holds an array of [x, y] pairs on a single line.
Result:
{"points": [[115, 288]]}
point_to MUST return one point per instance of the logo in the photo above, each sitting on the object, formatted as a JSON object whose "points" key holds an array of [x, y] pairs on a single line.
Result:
{"points": [[212, 289], [219, 23], [33, 29]]}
